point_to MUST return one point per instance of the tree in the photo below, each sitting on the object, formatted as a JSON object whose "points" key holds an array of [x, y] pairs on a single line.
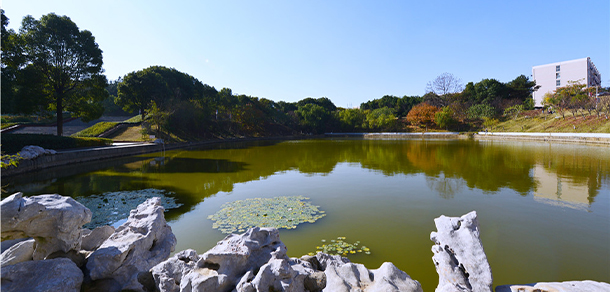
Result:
{"points": [[313, 117], [445, 84], [139, 89], [444, 118], [422, 114], [351, 119], [381, 118], [69, 62], [480, 111], [489, 91], [521, 88]]}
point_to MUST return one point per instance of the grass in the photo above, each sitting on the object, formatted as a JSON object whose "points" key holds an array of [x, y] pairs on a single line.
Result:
{"points": [[535, 121], [95, 130], [133, 133], [102, 127]]}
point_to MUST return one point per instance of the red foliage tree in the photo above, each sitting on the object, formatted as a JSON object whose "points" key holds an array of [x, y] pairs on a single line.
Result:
{"points": [[422, 115]]}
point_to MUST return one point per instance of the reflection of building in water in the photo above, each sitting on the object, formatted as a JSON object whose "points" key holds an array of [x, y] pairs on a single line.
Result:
{"points": [[554, 190]]}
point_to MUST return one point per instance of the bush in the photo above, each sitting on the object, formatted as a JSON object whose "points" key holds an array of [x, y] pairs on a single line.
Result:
{"points": [[12, 143]]}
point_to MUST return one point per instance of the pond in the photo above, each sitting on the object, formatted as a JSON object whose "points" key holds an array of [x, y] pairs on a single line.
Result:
{"points": [[544, 208]]}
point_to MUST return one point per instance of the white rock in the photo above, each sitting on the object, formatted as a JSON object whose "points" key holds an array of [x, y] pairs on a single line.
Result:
{"points": [[257, 261], [569, 286], [168, 274], [459, 257], [31, 152], [136, 246], [342, 275], [53, 220], [20, 252], [48, 275], [92, 239]]}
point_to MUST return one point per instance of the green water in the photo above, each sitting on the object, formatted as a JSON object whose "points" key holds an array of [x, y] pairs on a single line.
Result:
{"points": [[544, 209]]}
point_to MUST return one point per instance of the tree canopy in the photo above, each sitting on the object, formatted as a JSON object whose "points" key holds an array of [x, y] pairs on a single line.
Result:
{"points": [[54, 66]]}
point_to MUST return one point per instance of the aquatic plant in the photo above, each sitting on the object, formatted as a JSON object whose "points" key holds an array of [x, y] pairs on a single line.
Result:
{"points": [[340, 247], [279, 212], [109, 208]]}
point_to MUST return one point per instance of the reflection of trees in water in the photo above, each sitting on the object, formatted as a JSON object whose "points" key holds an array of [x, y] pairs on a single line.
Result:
{"points": [[446, 187], [448, 165]]}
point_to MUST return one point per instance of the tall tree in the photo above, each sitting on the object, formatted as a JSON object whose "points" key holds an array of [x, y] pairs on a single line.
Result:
{"points": [[445, 84], [69, 62]]}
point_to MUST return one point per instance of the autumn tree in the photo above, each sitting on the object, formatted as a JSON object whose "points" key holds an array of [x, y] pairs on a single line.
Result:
{"points": [[422, 115], [445, 84]]}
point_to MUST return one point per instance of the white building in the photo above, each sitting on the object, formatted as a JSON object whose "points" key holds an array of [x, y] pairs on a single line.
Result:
{"points": [[554, 75]]}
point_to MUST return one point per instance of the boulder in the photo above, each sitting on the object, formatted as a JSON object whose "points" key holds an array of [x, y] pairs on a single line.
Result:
{"points": [[53, 221], [342, 275], [257, 261], [136, 246], [46, 275], [19, 252], [569, 286], [6, 244], [92, 239], [459, 257], [168, 274], [31, 152]]}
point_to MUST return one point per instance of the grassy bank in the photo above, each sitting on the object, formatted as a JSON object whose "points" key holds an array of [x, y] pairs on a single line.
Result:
{"points": [[535, 121]]}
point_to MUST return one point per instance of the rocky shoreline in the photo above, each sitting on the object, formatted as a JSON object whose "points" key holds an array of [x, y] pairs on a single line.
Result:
{"points": [[45, 248]]}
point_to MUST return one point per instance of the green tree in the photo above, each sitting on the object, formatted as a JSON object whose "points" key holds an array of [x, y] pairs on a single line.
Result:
{"points": [[139, 89], [444, 118], [480, 111], [489, 91], [381, 119], [351, 119], [521, 88], [313, 118], [69, 62]]}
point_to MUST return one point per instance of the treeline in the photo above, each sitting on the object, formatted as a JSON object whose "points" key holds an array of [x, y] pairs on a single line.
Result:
{"points": [[67, 76]]}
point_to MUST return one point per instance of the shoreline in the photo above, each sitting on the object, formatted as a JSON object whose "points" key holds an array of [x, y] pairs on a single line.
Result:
{"points": [[72, 156]]}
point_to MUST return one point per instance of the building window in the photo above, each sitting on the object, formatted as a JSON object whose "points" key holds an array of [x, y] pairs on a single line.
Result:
{"points": [[557, 83], [556, 75], [557, 68]]}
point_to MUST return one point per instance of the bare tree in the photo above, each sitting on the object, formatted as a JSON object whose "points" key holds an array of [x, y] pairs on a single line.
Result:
{"points": [[445, 84]]}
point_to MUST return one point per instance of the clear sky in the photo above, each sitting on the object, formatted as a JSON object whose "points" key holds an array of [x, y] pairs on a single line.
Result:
{"points": [[348, 51]]}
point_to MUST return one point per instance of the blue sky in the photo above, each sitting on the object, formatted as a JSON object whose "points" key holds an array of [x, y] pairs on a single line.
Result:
{"points": [[348, 51]]}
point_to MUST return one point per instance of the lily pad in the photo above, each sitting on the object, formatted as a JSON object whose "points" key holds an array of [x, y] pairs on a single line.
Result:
{"points": [[341, 247], [110, 208], [279, 212]]}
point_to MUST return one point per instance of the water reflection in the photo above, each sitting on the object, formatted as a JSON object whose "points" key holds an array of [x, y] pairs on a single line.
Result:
{"points": [[556, 172]]}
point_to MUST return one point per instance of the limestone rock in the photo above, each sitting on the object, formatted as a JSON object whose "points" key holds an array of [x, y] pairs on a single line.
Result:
{"points": [[136, 246], [257, 261], [53, 220], [20, 252], [31, 152], [168, 274], [569, 286], [459, 257], [6, 244], [92, 239], [342, 275], [47, 275]]}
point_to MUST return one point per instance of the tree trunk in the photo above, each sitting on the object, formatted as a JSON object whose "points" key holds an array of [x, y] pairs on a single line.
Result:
{"points": [[60, 120]]}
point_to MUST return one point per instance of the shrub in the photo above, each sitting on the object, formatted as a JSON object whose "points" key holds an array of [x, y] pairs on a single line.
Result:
{"points": [[12, 143]]}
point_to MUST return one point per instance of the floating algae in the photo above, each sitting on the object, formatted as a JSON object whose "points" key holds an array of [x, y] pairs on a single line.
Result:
{"points": [[278, 212], [110, 208], [340, 247]]}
